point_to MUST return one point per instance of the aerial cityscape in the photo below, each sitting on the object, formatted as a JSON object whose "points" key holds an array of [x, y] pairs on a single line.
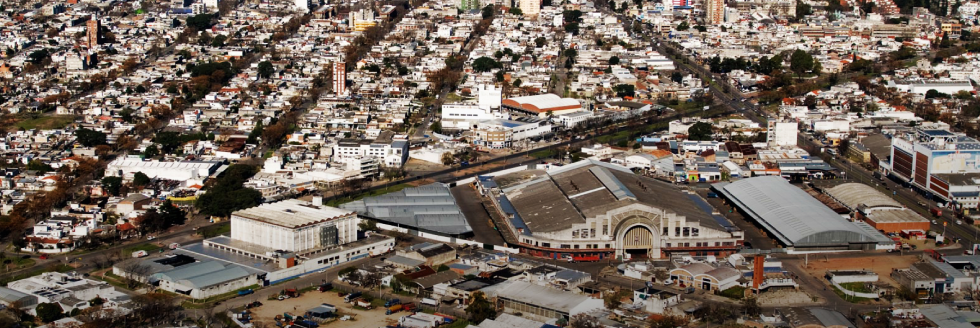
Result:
{"points": [[490, 163]]}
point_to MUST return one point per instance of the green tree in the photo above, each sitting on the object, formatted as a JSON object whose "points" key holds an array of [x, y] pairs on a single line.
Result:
{"points": [[485, 64], [199, 22], [613, 60], [111, 185], [265, 69], [168, 141], [151, 151], [172, 215], [683, 26], [140, 179], [540, 41], [480, 308], [227, 194], [37, 165], [49, 312], [219, 41], [517, 83], [487, 12], [442, 267], [802, 10], [699, 131], [436, 127], [625, 90], [253, 137], [516, 11], [90, 138], [800, 62]]}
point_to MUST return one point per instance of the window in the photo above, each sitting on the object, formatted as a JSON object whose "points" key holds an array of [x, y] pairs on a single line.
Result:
{"points": [[668, 244], [677, 232], [565, 246], [576, 246], [605, 229], [548, 245]]}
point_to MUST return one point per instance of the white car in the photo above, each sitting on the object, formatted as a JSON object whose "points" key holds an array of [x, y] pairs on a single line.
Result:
{"points": [[149, 237]]}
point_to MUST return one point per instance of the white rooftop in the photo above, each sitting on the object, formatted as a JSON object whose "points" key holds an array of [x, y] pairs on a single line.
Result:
{"points": [[292, 213]]}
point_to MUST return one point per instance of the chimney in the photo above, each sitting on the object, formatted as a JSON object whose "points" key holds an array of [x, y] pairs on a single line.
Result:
{"points": [[318, 200]]}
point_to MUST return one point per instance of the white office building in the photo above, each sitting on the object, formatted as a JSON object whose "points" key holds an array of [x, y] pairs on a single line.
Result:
{"points": [[782, 133]]}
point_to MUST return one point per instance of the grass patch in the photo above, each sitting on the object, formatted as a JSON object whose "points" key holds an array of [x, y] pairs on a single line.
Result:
{"points": [[46, 122], [215, 230], [736, 292], [148, 247], [15, 263], [337, 201], [267, 155], [614, 138], [544, 153], [859, 287], [852, 299]]}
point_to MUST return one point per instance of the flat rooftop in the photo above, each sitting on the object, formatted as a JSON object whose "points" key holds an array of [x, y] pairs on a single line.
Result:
{"points": [[292, 213]]}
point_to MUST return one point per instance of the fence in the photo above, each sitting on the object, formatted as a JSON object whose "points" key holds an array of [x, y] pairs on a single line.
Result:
{"points": [[853, 293]]}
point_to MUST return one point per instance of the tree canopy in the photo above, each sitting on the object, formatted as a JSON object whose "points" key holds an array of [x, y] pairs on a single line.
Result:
{"points": [[486, 64], [480, 308], [699, 131], [90, 138], [227, 194]]}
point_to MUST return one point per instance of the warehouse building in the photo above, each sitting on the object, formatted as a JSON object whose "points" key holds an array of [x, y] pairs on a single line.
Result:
{"points": [[194, 171], [542, 303], [798, 220], [540, 105], [10, 297], [294, 225], [429, 208], [590, 210], [877, 209]]}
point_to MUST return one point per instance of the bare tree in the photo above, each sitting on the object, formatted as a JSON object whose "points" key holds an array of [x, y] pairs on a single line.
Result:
{"points": [[135, 272], [583, 320]]}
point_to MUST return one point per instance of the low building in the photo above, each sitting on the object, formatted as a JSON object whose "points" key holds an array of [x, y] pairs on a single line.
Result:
{"points": [[69, 290], [655, 301], [431, 254], [878, 210], [542, 303], [12, 298], [184, 171], [542, 105], [813, 318], [706, 277], [430, 208]]}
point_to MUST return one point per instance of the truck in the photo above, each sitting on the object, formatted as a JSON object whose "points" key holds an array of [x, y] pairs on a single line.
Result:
{"points": [[393, 309], [409, 307], [363, 303], [140, 253], [245, 292], [445, 317], [936, 211], [173, 245], [352, 296], [393, 301], [430, 302], [689, 290], [326, 287], [712, 195]]}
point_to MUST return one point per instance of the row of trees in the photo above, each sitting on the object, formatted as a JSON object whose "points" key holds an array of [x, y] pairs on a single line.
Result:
{"points": [[226, 193]]}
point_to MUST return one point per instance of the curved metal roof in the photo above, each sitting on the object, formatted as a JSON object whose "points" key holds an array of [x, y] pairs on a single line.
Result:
{"points": [[854, 194], [791, 214]]}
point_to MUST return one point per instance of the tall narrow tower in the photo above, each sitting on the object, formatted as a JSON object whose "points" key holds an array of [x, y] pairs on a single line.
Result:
{"points": [[715, 11], [340, 78], [93, 27]]}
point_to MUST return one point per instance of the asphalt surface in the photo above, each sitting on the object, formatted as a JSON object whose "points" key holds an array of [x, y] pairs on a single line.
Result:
{"points": [[471, 204]]}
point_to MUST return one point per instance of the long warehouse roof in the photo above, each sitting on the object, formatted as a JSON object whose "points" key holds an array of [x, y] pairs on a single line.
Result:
{"points": [[791, 214]]}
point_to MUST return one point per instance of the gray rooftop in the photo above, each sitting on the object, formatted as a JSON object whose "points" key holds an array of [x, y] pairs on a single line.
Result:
{"points": [[8, 295], [555, 200], [853, 195], [791, 215], [429, 207], [944, 316], [544, 297]]}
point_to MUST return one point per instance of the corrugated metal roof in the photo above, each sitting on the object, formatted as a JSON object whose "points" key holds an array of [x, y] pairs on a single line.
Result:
{"points": [[291, 213], [213, 278], [791, 214], [854, 194], [430, 207], [8, 295], [944, 316]]}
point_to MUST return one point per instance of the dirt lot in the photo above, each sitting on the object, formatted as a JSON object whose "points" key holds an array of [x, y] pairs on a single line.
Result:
{"points": [[296, 306], [882, 265]]}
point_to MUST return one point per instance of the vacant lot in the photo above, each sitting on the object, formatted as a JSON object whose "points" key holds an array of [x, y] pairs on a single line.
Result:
{"points": [[882, 265], [297, 306]]}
